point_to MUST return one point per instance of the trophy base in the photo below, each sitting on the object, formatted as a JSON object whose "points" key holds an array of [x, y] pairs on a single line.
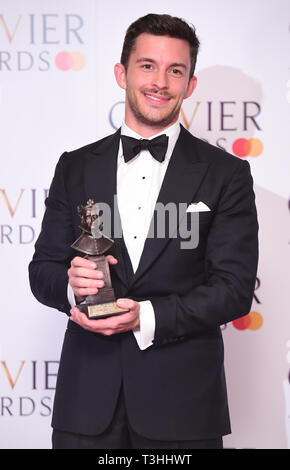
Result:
{"points": [[103, 304], [104, 310]]}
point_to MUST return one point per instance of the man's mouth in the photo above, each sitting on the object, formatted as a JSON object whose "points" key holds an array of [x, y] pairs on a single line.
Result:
{"points": [[157, 98]]}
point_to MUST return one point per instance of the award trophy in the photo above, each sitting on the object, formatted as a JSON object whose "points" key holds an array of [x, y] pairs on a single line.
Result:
{"points": [[93, 243]]}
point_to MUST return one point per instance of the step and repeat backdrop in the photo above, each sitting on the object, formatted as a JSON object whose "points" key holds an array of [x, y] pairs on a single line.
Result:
{"points": [[57, 93]]}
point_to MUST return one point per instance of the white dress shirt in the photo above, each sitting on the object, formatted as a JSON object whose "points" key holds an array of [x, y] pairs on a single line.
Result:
{"points": [[138, 185]]}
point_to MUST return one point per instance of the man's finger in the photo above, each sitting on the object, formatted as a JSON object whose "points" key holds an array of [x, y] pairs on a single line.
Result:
{"points": [[126, 303], [86, 282], [111, 259], [85, 273], [78, 261]]}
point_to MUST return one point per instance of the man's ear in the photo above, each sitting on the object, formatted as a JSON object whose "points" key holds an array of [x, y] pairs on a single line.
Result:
{"points": [[120, 75], [190, 87]]}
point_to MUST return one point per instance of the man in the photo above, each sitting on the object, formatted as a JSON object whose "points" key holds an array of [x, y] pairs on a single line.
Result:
{"points": [[152, 377]]}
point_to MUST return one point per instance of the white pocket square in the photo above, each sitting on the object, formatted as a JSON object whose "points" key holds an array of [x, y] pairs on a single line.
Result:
{"points": [[197, 207]]}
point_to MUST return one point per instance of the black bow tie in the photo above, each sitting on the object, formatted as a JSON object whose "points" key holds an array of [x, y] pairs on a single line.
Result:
{"points": [[157, 147]]}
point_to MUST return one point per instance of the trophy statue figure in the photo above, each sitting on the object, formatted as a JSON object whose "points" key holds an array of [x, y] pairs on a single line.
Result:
{"points": [[93, 244]]}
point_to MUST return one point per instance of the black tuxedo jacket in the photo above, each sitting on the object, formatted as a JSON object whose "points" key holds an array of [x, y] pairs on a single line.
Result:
{"points": [[175, 389]]}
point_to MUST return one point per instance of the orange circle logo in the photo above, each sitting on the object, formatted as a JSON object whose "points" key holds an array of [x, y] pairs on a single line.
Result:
{"points": [[247, 147], [253, 321], [65, 60]]}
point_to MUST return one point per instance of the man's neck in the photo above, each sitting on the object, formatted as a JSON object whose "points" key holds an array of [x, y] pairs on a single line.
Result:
{"points": [[147, 131]]}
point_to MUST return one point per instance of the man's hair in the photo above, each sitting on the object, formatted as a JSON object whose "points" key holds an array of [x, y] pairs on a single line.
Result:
{"points": [[160, 25]]}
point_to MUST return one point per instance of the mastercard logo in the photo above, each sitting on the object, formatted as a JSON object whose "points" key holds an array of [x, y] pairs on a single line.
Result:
{"points": [[247, 147], [252, 321], [65, 60]]}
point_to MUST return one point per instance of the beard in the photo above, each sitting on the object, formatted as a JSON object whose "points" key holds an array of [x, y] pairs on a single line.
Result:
{"points": [[149, 119]]}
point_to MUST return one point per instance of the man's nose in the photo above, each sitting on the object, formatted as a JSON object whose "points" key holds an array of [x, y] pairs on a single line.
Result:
{"points": [[160, 79]]}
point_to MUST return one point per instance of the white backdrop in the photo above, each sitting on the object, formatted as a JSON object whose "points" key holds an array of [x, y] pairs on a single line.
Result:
{"points": [[58, 92]]}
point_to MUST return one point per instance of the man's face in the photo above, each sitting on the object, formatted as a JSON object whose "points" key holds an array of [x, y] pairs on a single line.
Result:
{"points": [[156, 81]]}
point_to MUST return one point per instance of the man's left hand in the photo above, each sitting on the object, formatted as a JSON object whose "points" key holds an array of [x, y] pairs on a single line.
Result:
{"points": [[111, 325]]}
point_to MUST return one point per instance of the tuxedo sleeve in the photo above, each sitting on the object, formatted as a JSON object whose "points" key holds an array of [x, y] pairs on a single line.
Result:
{"points": [[51, 260], [230, 264]]}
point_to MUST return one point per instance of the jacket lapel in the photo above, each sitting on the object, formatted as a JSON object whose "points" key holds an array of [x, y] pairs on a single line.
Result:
{"points": [[100, 181], [100, 170], [183, 177]]}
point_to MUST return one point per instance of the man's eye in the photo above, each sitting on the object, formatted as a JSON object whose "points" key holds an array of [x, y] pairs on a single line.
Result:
{"points": [[176, 72], [147, 66]]}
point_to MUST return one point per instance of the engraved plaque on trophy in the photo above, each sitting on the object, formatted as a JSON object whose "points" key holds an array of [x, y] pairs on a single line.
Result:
{"points": [[94, 244]]}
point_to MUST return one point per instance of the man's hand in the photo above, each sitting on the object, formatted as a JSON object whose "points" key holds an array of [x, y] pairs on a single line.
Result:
{"points": [[111, 325], [84, 278]]}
